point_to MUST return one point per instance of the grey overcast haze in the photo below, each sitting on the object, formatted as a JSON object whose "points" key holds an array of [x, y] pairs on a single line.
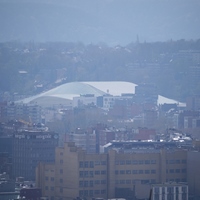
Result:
{"points": [[99, 21]]}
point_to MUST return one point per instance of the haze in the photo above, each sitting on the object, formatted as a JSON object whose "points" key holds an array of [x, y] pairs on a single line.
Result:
{"points": [[108, 21]]}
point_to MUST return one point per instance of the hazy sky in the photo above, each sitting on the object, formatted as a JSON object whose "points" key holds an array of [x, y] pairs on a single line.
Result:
{"points": [[94, 21]]}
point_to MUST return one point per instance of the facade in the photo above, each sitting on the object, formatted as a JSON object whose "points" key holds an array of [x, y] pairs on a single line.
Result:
{"points": [[84, 139], [193, 166], [28, 112], [109, 175], [170, 191], [30, 148], [86, 99]]}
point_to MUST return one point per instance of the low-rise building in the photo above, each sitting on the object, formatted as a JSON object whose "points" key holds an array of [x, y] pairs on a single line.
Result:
{"points": [[109, 175]]}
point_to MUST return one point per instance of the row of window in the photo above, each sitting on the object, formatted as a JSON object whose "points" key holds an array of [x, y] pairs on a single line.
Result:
{"points": [[91, 173], [121, 182], [169, 197], [91, 164], [184, 161], [177, 171], [175, 189], [91, 183], [177, 180], [135, 162], [49, 188], [47, 178], [153, 171], [90, 193]]}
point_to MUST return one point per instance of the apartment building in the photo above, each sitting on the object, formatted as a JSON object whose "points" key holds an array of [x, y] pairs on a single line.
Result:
{"points": [[28, 112], [109, 175], [84, 139]]}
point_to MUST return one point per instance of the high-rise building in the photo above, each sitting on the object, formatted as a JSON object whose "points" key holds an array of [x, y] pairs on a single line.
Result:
{"points": [[30, 148]]}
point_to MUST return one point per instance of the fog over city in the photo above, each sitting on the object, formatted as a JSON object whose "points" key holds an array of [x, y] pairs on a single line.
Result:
{"points": [[111, 22], [99, 99]]}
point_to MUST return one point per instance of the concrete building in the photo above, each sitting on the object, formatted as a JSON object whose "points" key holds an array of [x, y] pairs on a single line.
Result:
{"points": [[28, 112], [30, 148], [84, 139], [86, 99], [193, 166], [109, 175]]}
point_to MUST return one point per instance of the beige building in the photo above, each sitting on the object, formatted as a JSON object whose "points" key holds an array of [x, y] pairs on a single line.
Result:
{"points": [[110, 175]]}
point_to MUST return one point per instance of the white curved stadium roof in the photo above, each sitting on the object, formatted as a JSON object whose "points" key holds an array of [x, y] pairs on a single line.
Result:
{"points": [[64, 94]]}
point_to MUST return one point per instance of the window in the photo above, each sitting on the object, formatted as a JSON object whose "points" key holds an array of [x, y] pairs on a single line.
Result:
{"points": [[103, 172], [46, 178], [122, 162], [91, 164], [81, 184], [135, 162], [46, 187], [86, 193], [144, 181], [135, 171], [91, 173], [128, 171], [184, 170], [178, 162], [171, 171], [116, 172], [122, 171], [128, 162], [91, 193], [177, 170], [61, 190], [80, 193], [153, 181], [103, 181], [103, 191], [61, 161], [97, 162], [91, 183], [153, 161], [128, 181], [147, 162], [184, 161], [103, 162], [97, 191], [86, 164], [171, 161], [153, 171], [140, 171], [97, 172], [141, 162], [85, 183], [85, 173], [146, 171], [52, 178], [52, 188], [81, 173], [81, 165], [61, 171], [122, 182], [61, 180], [97, 182]]}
